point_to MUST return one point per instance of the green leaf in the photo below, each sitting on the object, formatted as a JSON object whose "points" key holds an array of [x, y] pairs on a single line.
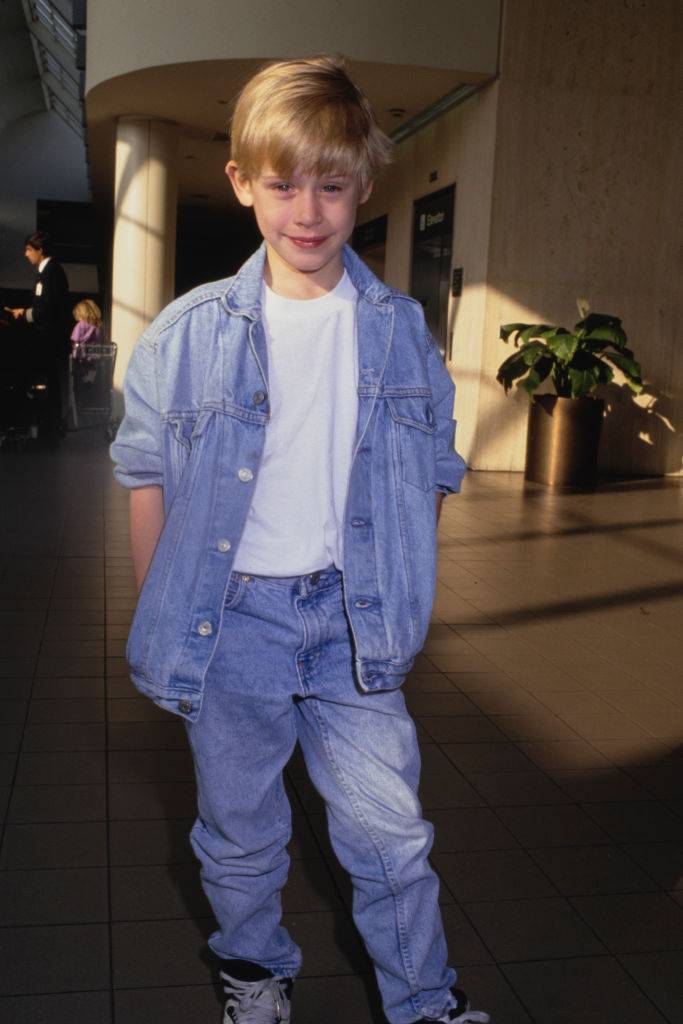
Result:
{"points": [[605, 374], [583, 381], [513, 367], [613, 335], [595, 320], [630, 369], [508, 329], [532, 352], [535, 331], [536, 375], [563, 345]]}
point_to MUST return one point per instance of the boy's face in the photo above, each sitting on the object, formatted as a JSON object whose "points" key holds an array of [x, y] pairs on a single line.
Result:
{"points": [[305, 221]]}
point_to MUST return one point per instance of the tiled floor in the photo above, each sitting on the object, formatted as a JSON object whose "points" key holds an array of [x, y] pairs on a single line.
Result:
{"points": [[550, 707]]}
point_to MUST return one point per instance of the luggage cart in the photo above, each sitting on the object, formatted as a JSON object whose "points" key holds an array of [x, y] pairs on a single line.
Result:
{"points": [[92, 381]]}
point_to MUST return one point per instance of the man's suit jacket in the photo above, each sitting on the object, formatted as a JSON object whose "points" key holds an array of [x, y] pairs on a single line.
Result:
{"points": [[50, 307]]}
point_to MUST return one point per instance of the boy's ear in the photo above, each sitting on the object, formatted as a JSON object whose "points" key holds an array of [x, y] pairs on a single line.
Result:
{"points": [[366, 193], [240, 184]]}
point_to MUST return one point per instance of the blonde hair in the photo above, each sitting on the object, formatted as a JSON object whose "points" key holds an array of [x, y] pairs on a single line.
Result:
{"points": [[88, 311], [307, 114]]}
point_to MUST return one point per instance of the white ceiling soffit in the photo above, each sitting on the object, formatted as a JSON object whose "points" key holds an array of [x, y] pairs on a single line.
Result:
{"points": [[58, 40], [20, 92]]}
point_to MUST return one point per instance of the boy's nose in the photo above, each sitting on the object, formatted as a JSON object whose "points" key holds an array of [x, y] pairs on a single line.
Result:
{"points": [[307, 210]]}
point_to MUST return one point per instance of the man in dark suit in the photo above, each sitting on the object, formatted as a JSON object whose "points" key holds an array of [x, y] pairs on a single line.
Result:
{"points": [[50, 316]]}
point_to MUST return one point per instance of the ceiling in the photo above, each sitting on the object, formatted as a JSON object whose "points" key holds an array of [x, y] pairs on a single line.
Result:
{"points": [[197, 96]]}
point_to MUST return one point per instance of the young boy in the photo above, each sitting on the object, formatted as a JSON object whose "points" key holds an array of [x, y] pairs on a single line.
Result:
{"points": [[288, 439]]}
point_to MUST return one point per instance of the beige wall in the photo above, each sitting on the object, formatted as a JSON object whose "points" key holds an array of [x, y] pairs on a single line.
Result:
{"points": [[459, 146], [567, 177], [129, 35]]}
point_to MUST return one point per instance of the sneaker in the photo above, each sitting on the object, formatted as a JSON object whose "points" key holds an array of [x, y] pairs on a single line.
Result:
{"points": [[256, 1002], [461, 1013]]}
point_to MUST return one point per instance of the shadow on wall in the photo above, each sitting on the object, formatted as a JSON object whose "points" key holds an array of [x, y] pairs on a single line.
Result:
{"points": [[643, 432]]}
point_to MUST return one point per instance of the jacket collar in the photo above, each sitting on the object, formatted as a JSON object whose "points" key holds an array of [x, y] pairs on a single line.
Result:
{"points": [[243, 295]]}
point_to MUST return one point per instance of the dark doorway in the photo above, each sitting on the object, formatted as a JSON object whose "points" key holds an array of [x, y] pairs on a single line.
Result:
{"points": [[370, 242], [431, 263]]}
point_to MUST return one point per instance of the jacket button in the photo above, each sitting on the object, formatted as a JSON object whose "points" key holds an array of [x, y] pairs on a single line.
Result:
{"points": [[362, 603], [259, 397], [358, 522], [185, 706], [224, 545], [245, 475], [205, 629]]}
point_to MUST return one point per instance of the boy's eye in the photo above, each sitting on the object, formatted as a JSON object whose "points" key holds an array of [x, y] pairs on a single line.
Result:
{"points": [[281, 186], [332, 188]]}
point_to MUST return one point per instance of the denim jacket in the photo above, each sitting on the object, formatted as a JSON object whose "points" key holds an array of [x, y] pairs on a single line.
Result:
{"points": [[196, 394]]}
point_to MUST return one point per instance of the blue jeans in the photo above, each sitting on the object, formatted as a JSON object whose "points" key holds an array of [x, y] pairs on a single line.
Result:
{"points": [[282, 671]]}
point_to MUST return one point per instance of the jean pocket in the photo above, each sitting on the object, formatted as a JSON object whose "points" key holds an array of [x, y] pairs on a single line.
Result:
{"points": [[235, 590], [415, 426]]}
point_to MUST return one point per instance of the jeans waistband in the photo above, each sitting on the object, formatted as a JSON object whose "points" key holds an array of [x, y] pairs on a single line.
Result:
{"points": [[321, 579]]}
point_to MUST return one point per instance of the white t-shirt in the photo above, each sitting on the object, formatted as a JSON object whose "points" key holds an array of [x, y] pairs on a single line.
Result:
{"points": [[295, 522]]}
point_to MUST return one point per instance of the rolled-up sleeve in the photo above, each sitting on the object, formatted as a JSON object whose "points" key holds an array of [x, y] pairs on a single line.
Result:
{"points": [[450, 467], [137, 450]]}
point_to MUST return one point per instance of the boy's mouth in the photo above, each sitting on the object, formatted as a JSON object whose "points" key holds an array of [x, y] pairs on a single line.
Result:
{"points": [[307, 243]]}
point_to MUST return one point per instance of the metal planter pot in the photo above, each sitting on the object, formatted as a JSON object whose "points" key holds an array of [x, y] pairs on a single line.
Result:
{"points": [[563, 437]]}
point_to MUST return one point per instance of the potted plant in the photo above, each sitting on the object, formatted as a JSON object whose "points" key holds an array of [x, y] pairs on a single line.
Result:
{"points": [[564, 426]]}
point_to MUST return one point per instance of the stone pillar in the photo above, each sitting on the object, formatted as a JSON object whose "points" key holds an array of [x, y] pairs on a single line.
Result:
{"points": [[143, 265]]}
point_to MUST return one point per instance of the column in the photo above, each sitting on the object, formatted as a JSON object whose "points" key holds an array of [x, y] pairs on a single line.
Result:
{"points": [[143, 265]]}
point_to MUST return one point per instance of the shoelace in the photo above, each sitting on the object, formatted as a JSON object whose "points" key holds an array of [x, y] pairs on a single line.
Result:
{"points": [[470, 1017], [260, 1002]]}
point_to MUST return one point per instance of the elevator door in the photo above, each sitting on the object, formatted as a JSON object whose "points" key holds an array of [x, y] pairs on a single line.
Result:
{"points": [[370, 242], [431, 263]]}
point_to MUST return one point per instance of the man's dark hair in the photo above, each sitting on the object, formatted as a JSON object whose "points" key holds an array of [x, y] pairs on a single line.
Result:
{"points": [[40, 240]]}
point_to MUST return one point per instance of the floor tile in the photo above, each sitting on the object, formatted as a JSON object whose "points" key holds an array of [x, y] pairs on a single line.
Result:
{"points": [[533, 929], [634, 923], [559, 825], [74, 1008], [336, 999], [57, 896], [158, 953], [637, 822], [54, 768], [662, 861], [600, 785], [150, 842], [150, 766], [168, 735], [329, 942], [152, 800], [472, 828], [486, 757], [56, 845], [10, 736], [590, 990], [447, 789], [533, 727], [179, 1004], [660, 975], [64, 736], [563, 754], [310, 886], [57, 803], [464, 943], [461, 729], [510, 789], [586, 870], [72, 958], [155, 893], [492, 875], [80, 688]]}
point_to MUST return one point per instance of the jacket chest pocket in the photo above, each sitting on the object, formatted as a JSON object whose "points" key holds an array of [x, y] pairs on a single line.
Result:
{"points": [[414, 423]]}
